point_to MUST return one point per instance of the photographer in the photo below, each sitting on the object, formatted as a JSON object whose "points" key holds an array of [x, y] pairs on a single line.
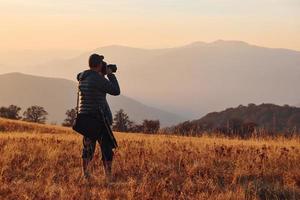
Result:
{"points": [[93, 87]]}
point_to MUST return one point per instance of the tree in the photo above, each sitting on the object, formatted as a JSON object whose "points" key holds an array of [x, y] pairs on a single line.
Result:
{"points": [[71, 116], [10, 112], [35, 114], [151, 126], [184, 128], [121, 121], [136, 128]]}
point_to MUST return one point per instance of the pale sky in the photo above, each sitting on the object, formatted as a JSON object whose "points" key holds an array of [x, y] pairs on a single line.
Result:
{"points": [[79, 24]]}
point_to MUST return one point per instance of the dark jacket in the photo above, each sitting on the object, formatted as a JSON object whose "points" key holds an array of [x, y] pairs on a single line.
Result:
{"points": [[93, 88]]}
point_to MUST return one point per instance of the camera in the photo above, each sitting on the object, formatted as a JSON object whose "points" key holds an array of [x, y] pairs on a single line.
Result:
{"points": [[105, 66]]}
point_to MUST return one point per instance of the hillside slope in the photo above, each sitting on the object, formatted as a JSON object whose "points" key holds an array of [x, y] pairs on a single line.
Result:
{"points": [[270, 117], [57, 95], [8, 125]]}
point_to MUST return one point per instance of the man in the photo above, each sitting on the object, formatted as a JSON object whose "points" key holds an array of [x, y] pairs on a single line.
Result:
{"points": [[93, 87]]}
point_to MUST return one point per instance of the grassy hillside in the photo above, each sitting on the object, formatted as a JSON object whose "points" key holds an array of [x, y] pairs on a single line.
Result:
{"points": [[7, 125], [48, 166]]}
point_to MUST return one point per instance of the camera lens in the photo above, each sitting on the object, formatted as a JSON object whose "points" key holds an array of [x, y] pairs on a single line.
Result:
{"points": [[113, 67]]}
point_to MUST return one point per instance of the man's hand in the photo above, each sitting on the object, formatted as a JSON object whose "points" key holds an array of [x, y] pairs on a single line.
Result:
{"points": [[108, 70]]}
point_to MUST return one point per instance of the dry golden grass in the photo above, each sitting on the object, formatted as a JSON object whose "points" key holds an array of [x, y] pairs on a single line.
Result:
{"points": [[48, 166], [7, 125]]}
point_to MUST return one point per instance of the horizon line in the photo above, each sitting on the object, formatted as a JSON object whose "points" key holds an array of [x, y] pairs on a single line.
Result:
{"points": [[153, 48]]}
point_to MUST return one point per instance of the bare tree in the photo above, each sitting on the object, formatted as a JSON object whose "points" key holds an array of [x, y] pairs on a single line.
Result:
{"points": [[35, 114]]}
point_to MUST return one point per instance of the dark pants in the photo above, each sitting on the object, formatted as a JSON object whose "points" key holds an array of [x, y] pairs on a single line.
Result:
{"points": [[89, 146]]}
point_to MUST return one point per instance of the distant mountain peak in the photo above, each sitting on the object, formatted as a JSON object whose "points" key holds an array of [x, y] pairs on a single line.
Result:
{"points": [[114, 47], [13, 74], [21, 76], [195, 44], [229, 42], [217, 43], [190, 45]]}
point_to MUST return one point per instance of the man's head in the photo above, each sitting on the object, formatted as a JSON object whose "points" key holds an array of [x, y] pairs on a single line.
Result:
{"points": [[95, 62]]}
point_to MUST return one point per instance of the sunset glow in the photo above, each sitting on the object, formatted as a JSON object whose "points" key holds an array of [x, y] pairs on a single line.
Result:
{"points": [[46, 24]]}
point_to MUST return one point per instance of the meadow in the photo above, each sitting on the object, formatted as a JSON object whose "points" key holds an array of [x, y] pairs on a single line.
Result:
{"points": [[44, 162]]}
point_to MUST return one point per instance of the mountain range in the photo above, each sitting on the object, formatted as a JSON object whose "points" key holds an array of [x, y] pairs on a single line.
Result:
{"points": [[197, 78], [57, 95], [265, 118]]}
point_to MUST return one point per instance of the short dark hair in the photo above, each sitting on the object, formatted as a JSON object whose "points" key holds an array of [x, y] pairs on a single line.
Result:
{"points": [[95, 59]]}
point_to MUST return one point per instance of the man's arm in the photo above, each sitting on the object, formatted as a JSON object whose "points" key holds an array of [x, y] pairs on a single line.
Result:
{"points": [[110, 86]]}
